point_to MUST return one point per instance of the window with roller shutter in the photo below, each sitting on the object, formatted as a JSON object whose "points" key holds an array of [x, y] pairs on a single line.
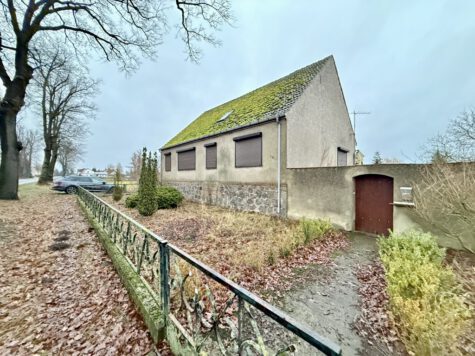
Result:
{"points": [[248, 150], [211, 155], [168, 162], [342, 157], [187, 160]]}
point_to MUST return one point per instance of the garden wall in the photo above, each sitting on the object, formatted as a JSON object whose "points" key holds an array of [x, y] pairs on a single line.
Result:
{"points": [[330, 192], [261, 198]]}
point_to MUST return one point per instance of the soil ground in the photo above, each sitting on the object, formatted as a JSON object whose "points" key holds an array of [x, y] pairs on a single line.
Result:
{"points": [[59, 293]]}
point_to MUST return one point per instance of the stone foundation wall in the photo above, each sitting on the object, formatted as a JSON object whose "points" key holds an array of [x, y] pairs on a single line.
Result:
{"points": [[261, 198]]}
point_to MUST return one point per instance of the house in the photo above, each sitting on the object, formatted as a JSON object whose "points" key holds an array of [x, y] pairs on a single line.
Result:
{"points": [[288, 149], [85, 172], [238, 153], [101, 174]]}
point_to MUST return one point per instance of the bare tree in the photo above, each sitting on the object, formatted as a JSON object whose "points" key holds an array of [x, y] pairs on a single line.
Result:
{"points": [[135, 165], [65, 99], [29, 140], [457, 144], [119, 30], [445, 198], [69, 153], [110, 169]]}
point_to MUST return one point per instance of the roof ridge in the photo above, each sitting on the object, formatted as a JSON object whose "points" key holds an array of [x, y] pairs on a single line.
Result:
{"points": [[319, 62], [264, 102]]}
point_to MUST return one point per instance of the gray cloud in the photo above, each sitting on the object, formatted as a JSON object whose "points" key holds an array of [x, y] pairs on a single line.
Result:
{"points": [[409, 63]]}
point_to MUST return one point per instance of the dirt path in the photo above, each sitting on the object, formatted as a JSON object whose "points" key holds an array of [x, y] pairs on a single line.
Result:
{"points": [[59, 293], [328, 300]]}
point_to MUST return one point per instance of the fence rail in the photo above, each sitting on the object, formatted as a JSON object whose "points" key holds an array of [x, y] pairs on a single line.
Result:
{"points": [[202, 309]]}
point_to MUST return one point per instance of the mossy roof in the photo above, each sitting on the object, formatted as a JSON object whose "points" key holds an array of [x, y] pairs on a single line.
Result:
{"points": [[261, 104]]}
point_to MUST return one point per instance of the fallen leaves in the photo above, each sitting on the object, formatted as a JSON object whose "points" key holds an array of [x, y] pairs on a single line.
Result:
{"points": [[67, 301], [216, 235], [374, 323]]}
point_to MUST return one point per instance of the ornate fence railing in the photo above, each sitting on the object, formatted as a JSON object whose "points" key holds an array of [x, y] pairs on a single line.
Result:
{"points": [[203, 311]]}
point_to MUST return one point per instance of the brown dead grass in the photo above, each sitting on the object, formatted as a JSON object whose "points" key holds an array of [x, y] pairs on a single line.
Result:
{"points": [[246, 247], [242, 238]]}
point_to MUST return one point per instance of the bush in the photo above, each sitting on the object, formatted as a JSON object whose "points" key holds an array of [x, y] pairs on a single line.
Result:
{"points": [[132, 201], [147, 201], [168, 197], [147, 204], [314, 229], [426, 301], [117, 192]]}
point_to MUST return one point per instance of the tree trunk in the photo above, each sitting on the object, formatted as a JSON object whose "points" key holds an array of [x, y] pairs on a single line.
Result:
{"points": [[11, 104], [47, 171], [49, 161], [30, 162], [9, 167]]}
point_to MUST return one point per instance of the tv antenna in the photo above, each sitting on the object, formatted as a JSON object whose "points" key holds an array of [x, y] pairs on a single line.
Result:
{"points": [[354, 113]]}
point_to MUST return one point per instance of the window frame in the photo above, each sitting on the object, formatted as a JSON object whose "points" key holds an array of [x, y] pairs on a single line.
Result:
{"points": [[169, 156], [209, 145], [178, 159], [343, 150], [244, 138]]}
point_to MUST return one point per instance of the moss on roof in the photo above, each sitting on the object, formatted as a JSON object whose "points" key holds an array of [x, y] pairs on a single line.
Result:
{"points": [[258, 105]]}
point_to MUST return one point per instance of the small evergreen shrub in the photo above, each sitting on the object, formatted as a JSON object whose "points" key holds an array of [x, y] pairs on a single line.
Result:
{"points": [[132, 201], [118, 190], [426, 300], [314, 229], [147, 195], [147, 205], [168, 197]]}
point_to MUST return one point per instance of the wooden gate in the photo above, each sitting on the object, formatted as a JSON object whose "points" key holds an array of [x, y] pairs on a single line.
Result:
{"points": [[373, 204]]}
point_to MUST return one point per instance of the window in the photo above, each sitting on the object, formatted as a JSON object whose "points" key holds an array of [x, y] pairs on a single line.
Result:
{"points": [[211, 155], [187, 160], [341, 157], [168, 162], [248, 150], [85, 179]]}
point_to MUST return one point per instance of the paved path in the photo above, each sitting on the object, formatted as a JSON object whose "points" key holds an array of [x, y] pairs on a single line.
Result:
{"points": [[328, 301]]}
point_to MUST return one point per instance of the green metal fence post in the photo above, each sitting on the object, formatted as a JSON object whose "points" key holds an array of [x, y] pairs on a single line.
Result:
{"points": [[164, 279]]}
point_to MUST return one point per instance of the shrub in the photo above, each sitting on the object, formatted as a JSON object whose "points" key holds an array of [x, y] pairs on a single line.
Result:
{"points": [[168, 197], [314, 229], [147, 204], [132, 201], [426, 300], [117, 192], [147, 201]]}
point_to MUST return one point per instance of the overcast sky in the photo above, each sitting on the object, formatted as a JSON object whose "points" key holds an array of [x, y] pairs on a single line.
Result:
{"points": [[410, 63]]}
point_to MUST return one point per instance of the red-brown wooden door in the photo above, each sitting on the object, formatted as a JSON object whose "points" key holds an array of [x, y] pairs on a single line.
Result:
{"points": [[373, 204]]}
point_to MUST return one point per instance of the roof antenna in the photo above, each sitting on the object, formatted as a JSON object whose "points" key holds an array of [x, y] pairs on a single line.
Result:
{"points": [[354, 113]]}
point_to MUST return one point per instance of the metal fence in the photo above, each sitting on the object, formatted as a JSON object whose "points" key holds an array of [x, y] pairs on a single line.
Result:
{"points": [[203, 311]]}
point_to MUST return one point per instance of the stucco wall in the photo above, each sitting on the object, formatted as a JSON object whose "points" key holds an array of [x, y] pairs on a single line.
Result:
{"points": [[329, 192], [318, 123], [226, 170]]}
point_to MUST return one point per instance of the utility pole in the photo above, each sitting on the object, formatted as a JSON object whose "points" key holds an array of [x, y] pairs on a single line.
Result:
{"points": [[354, 113]]}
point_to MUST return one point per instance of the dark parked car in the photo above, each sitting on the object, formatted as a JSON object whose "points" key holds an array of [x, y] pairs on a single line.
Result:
{"points": [[70, 184]]}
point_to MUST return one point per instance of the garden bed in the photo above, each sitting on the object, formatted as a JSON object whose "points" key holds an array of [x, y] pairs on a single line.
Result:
{"points": [[259, 252]]}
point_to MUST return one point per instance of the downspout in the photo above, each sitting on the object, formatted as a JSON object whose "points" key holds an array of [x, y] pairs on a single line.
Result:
{"points": [[277, 119]]}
